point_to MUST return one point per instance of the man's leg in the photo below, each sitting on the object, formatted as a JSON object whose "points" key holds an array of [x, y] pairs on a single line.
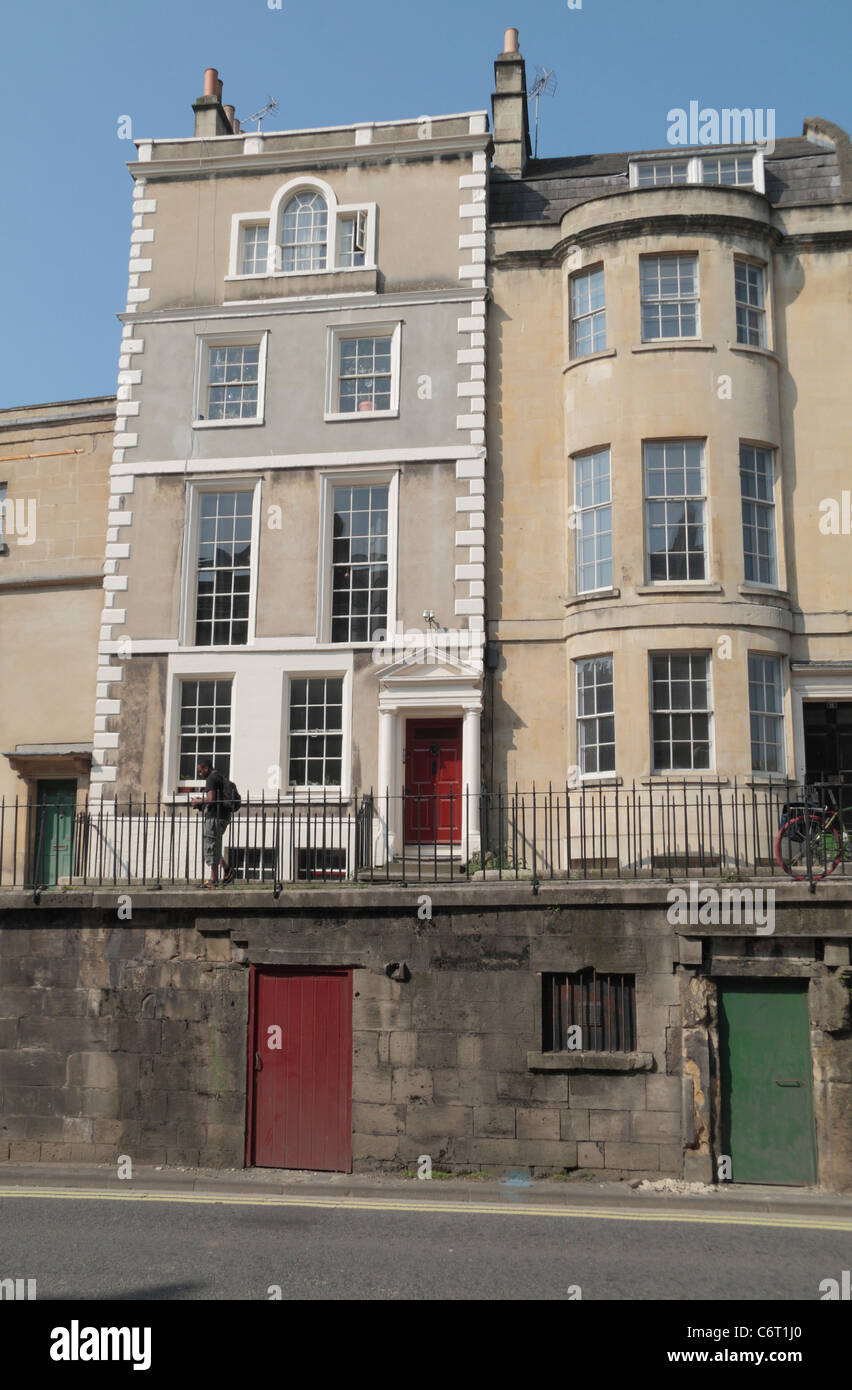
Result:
{"points": [[227, 872], [212, 845]]}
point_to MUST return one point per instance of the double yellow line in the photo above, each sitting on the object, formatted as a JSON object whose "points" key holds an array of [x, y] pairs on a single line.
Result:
{"points": [[511, 1207]]}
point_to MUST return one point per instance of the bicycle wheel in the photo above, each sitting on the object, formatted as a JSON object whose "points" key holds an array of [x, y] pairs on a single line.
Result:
{"points": [[843, 825], [806, 843]]}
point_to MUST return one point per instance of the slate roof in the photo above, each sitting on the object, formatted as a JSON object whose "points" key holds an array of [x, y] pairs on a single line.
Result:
{"points": [[798, 171]]}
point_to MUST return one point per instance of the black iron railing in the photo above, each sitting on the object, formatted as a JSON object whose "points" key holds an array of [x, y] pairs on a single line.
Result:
{"points": [[663, 830]]}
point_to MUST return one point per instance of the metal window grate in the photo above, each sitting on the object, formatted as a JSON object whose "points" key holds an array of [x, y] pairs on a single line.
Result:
{"points": [[603, 1007], [321, 863]]}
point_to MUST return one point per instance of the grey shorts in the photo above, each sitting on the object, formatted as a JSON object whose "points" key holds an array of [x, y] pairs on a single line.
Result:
{"points": [[214, 831]]}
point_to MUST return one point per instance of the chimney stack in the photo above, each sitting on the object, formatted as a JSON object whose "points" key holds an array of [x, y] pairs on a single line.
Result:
{"points": [[512, 149], [211, 117]]}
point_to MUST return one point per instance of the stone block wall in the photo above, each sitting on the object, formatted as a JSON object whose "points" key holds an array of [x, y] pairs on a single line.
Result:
{"points": [[131, 1037], [117, 1039]]}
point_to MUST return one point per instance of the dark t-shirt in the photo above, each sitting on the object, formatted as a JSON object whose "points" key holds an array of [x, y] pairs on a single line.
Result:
{"points": [[216, 783]]}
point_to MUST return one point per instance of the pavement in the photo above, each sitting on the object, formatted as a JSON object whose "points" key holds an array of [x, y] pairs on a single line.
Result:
{"points": [[744, 1203]]}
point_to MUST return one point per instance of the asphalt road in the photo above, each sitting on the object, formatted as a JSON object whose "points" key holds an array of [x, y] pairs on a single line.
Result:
{"points": [[88, 1247]]}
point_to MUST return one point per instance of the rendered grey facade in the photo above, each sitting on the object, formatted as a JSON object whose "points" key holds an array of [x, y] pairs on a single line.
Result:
{"points": [[304, 333]]}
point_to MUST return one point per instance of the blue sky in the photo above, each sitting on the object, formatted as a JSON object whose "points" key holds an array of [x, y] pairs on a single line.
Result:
{"points": [[69, 71]]}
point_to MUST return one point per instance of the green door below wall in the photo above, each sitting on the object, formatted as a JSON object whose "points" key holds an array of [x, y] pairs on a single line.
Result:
{"points": [[767, 1096], [54, 830]]}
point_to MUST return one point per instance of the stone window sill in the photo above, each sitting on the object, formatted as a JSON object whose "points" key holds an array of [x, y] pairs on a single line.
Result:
{"points": [[592, 595], [590, 1061], [763, 591], [684, 779], [675, 344], [588, 357], [696, 586], [754, 351]]}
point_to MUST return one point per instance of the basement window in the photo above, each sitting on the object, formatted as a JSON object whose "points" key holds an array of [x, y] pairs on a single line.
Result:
{"points": [[588, 1012], [324, 864]]}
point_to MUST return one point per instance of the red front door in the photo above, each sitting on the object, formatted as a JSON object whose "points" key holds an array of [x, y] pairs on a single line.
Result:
{"points": [[301, 1050], [433, 782]]}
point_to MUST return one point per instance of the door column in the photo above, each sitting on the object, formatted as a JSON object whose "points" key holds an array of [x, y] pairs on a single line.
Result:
{"points": [[384, 805], [471, 780]]}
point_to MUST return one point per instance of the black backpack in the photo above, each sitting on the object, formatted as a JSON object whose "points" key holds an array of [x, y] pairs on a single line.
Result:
{"points": [[231, 800]]}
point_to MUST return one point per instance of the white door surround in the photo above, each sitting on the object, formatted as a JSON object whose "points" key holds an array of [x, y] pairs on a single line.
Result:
{"points": [[422, 687]]}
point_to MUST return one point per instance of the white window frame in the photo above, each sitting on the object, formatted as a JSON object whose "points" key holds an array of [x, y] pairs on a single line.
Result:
{"points": [[636, 165], [695, 166], [343, 477], [194, 490], [575, 279], [319, 668], [171, 758], [763, 714], [4, 490], [335, 335], [272, 217], [578, 512], [248, 224], [686, 499], [583, 718], [754, 308], [685, 299], [709, 711], [203, 343], [768, 505]]}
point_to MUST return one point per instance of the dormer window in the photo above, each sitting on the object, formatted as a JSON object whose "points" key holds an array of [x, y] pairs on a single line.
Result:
{"points": [[304, 233], [659, 172], [738, 168]]}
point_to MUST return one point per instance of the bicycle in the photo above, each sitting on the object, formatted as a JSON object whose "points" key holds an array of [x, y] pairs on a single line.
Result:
{"points": [[813, 838]]}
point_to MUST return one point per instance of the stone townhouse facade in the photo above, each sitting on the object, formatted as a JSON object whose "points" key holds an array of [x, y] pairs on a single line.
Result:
{"points": [[669, 348], [668, 445], [295, 554], [54, 484]]}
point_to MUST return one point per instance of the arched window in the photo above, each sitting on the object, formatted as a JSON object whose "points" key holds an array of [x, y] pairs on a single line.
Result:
{"points": [[304, 233]]}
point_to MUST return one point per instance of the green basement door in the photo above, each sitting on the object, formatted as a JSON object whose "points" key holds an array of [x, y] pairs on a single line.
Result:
{"points": [[54, 830], [767, 1095]]}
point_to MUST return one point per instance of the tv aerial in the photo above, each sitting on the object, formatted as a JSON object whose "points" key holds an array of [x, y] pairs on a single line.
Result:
{"points": [[545, 82], [271, 105]]}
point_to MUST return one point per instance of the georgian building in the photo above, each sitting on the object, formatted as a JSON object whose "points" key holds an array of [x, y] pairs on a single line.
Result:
{"points": [[54, 484], [295, 552], [670, 348]]}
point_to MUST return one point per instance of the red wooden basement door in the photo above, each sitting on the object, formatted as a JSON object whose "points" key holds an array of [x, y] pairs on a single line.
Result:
{"points": [[301, 1066]]}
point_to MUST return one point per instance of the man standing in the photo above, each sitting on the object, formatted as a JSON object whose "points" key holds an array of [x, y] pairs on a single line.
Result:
{"points": [[217, 813]]}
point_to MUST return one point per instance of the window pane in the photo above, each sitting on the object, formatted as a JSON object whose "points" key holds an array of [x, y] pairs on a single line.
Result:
{"points": [[223, 569], [669, 296], [674, 510], [359, 585], [364, 375], [592, 521], [588, 326], [595, 723], [680, 713], [205, 726], [315, 705]]}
